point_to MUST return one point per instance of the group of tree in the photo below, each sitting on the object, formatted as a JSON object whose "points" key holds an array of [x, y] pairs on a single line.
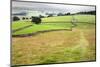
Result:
{"points": [[25, 18], [63, 14], [59, 14], [36, 20], [87, 12], [40, 16], [15, 18]]}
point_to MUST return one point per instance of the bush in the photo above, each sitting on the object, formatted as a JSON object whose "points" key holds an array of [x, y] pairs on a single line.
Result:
{"points": [[50, 15], [60, 14], [15, 18], [36, 20], [26, 18], [30, 18], [67, 14], [23, 18], [41, 16]]}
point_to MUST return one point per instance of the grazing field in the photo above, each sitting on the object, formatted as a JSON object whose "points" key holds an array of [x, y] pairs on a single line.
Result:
{"points": [[42, 27], [55, 46], [85, 18], [58, 19], [19, 24], [61, 22]]}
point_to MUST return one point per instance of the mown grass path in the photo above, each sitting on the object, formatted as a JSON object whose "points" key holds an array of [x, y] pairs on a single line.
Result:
{"points": [[82, 44]]}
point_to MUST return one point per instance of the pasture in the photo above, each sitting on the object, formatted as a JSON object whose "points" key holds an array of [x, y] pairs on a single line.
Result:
{"points": [[55, 46]]}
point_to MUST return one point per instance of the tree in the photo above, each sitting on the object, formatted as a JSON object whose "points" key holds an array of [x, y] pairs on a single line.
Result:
{"points": [[36, 20], [40, 16], [60, 14], [26, 18], [67, 14], [15, 18], [30, 18], [23, 18], [50, 15]]}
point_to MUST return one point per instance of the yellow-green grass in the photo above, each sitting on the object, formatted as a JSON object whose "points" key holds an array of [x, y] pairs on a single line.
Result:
{"points": [[85, 18], [55, 47], [79, 18], [61, 19], [57, 19], [41, 27], [20, 24]]}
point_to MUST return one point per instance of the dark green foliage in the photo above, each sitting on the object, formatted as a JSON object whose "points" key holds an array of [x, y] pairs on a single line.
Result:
{"points": [[50, 15], [30, 18], [40, 16], [60, 14], [36, 20], [88, 12], [26, 18], [23, 18], [15, 18], [67, 14]]}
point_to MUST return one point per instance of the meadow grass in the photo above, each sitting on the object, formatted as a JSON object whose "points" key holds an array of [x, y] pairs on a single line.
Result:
{"points": [[42, 27], [85, 18], [55, 47], [20, 24], [57, 19]]}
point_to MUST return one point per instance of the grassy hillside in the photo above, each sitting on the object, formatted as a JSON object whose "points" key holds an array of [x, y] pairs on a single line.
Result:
{"points": [[41, 27], [65, 23], [57, 19], [56, 46], [85, 18], [20, 24]]}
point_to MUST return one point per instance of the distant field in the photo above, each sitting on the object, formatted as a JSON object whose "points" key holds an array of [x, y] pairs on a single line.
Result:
{"points": [[64, 23], [56, 46], [42, 27], [58, 19], [85, 18], [79, 18], [19, 24]]}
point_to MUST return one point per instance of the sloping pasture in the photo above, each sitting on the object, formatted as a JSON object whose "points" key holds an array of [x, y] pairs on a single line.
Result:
{"points": [[56, 46]]}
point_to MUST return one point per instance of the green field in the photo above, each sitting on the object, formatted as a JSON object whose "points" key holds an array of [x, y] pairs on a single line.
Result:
{"points": [[62, 22], [85, 18], [42, 27], [19, 24], [55, 46], [58, 19]]}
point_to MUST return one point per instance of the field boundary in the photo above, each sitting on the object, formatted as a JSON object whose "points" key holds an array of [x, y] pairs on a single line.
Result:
{"points": [[38, 32], [69, 22]]}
